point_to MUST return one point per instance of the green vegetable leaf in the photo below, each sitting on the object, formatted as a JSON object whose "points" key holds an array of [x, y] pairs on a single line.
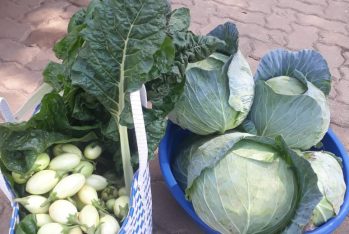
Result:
{"points": [[331, 183], [27, 225], [77, 19], [248, 126], [118, 50], [155, 127], [21, 143], [54, 75], [67, 47], [181, 162], [228, 33], [309, 194], [282, 62], [191, 48], [294, 117], [179, 20], [118, 54]]}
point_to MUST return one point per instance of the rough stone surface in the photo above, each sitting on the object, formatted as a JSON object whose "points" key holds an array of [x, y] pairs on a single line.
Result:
{"points": [[14, 30], [12, 51], [28, 30]]}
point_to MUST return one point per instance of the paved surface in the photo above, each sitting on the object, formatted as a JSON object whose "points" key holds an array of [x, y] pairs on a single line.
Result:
{"points": [[28, 30]]}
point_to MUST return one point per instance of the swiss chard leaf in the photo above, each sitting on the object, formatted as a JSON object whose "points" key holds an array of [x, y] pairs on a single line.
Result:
{"points": [[21, 143], [179, 20], [27, 225], [118, 52], [54, 75], [118, 55], [228, 33], [165, 91]]}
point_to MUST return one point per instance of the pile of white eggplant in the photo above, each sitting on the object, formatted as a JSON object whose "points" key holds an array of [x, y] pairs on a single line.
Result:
{"points": [[66, 197]]}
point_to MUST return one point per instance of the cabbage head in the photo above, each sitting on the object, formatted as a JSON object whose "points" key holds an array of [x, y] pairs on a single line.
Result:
{"points": [[330, 182], [218, 91], [290, 98], [239, 183], [180, 163]]}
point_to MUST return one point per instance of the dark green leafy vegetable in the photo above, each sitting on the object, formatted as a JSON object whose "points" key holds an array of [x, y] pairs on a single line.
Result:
{"points": [[112, 48], [21, 143], [27, 225]]}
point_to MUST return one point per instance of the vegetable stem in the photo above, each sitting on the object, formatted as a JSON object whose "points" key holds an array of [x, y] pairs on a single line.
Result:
{"points": [[126, 157]]}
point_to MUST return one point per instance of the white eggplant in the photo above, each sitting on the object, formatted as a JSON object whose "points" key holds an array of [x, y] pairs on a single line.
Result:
{"points": [[89, 217], [42, 182], [87, 195], [97, 182], [84, 167], [51, 228], [121, 206], [108, 225], [92, 151], [42, 219], [110, 204], [19, 178], [68, 186], [34, 204], [61, 210], [75, 230], [66, 148], [65, 162], [123, 191], [42, 161]]}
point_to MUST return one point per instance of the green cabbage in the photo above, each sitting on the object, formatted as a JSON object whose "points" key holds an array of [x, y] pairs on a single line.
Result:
{"points": [[181, 161], [290, 98], [330, 182], [218, 91], [239, 183]]}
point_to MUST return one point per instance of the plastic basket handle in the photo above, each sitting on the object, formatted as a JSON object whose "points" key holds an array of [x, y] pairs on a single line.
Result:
{"points": [[6, 111], [139, 98], [30, 105]]}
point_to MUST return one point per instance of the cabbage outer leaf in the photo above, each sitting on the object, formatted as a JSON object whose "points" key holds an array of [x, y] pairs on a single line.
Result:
{"points": [[302, 120], [330, 182], [310, 63]]}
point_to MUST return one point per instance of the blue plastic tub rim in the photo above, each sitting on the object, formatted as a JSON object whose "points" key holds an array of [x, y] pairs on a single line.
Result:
{"points": [[330, 142]]}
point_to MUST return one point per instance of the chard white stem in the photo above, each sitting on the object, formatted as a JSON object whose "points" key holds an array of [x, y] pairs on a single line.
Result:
{"points": [[126, 157]]}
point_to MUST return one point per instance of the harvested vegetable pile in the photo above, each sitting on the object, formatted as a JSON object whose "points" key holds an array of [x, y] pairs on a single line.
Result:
{"points": [[251, 167], [112, 48], [61, 187], [72, 163]]}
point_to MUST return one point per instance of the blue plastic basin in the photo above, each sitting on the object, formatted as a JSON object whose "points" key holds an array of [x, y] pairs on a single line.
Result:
{"points": [[169, 146]]}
